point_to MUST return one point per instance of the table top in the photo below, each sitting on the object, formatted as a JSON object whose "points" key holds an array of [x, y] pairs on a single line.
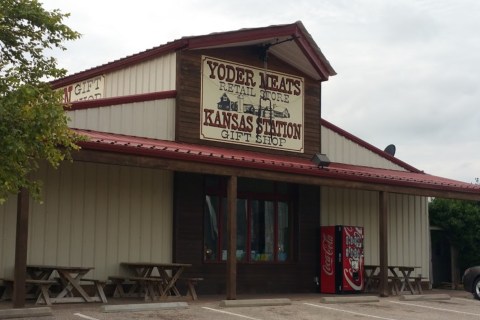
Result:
{"points": [[137, 264], [372, 266], [54, 267]]}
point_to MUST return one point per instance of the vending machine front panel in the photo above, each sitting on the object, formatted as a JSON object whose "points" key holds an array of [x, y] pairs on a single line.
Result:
{"points": [[328, 259], [352, 253]]}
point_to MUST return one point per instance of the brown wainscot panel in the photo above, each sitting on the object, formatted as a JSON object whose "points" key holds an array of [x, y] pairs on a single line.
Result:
{"points": [[189, 82], [296, 276]]}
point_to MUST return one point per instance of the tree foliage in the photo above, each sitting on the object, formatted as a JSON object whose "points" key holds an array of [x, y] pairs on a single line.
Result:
{"points": [[33, 124], [461, 220]]}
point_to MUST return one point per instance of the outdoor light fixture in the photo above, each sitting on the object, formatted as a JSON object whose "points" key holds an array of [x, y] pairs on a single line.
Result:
{"points": [[321, 160]]}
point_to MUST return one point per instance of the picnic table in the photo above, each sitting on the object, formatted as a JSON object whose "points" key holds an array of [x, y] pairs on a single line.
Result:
{"points": [[401, 278], [371, 276], [69, 279], [152, 279]]}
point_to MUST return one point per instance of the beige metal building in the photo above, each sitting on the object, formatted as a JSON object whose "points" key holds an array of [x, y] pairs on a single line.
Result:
{"points": [[139, 189]]}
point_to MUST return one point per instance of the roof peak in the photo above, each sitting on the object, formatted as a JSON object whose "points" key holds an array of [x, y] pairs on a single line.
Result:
{"points": [[302, 53]]}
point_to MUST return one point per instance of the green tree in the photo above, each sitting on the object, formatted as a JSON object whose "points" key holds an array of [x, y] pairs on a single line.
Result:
{"points": [[461, 220], [33, 124]]}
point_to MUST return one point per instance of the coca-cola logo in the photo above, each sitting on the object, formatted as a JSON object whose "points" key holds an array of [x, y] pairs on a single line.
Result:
{"points": [[327, 249]]}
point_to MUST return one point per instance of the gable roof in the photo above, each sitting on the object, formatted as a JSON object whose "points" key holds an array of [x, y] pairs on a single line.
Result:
{"points": [[289, 42], [295, 169]]}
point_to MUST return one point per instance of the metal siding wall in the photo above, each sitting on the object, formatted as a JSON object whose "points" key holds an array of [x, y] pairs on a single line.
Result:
{"points": [[407, 228], [409, 231], [151, 119], [95, 215], [353, 207], [151, 76], [340, 149], [8, 220]]}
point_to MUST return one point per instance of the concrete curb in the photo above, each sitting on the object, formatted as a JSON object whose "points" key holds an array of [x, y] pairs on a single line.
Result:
{"points": [[144, 306], [425, 297], [254, 303], [360, 299], [25, 312]]}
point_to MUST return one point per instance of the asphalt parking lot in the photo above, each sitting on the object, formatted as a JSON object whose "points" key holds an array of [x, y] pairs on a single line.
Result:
{"points": [[459, 306]]}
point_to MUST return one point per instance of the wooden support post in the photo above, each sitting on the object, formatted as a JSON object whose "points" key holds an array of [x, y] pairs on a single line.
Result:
{"points": [[21, 243], [232, 238], [383, 239], [454, 267]]}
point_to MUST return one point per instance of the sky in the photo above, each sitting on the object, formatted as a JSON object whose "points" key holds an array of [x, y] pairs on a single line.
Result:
{"points": [[408, 71]]}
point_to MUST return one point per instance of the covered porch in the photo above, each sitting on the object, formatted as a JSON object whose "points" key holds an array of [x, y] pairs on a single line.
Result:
{"points": [[166, 157]]}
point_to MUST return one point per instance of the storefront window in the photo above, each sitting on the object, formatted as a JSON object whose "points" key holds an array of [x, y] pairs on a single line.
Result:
{"points": [[242, 217], [262, 230], [284, 231], [242, 225], [264, 223], [211, 228]]}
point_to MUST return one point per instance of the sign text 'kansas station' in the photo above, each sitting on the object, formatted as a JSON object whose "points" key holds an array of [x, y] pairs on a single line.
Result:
{"points": [[251, 106]]}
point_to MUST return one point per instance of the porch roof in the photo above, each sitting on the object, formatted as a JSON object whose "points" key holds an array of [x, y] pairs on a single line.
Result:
{"points": [[355, 176]]}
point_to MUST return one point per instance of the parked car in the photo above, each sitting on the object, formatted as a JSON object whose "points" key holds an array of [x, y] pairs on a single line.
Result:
{"points": [[471, 281]]}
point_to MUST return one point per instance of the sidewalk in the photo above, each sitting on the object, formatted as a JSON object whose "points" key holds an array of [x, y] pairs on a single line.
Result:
{"points": [[71, 311]]}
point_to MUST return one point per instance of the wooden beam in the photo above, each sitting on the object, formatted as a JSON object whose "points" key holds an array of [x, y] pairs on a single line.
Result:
{"points": [[454, 267], [21, 245], [208, 168], [232, 238], [383, 239]]}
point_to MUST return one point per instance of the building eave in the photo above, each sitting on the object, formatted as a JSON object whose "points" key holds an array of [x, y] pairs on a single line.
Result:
{"points": [[299, 169]]}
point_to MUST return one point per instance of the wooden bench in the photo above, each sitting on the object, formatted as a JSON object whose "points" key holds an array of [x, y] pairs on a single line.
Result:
{"points": [[393, 283], [191, 282], [99, 286], [43, 294], [146, 284], [118, 281], [372, 283], [418, 283]]}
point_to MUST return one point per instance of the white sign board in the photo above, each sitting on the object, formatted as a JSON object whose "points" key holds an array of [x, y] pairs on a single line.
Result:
{"points": [[251, 106], [90, 89]]}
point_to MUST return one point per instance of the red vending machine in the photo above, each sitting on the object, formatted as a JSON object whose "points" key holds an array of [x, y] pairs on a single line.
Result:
{"points": [[341, 259]]}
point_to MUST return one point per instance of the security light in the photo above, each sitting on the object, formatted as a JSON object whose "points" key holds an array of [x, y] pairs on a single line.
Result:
{"points": [[321, 160]]}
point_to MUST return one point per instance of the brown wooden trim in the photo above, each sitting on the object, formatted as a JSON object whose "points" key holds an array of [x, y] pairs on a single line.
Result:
{"points": [[106, 102], [383, 239], [311, 55], [232, 238], [320, 120], [21, 246], [291, 277], [239, 36], [183, 165]]}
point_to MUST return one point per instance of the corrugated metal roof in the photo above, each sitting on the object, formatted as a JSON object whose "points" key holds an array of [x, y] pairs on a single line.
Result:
{"points": [[256, 160], [302, 52]]}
